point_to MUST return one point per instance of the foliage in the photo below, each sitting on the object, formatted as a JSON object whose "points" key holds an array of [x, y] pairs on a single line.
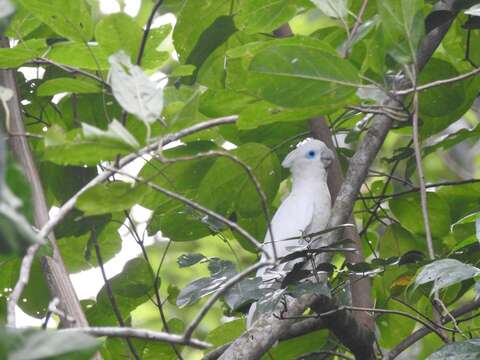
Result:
{"points": [[110, 90]]}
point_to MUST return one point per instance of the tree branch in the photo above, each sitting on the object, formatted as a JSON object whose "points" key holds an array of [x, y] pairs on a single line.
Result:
{"points": [[141, 334]]}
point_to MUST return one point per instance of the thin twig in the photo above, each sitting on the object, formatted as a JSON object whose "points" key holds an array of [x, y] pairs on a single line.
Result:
{"points": [[423, 191], [437, 83], [71, 70]]}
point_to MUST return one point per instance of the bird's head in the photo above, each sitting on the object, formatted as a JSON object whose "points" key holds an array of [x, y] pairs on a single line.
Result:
{"points": [[310, 155]]}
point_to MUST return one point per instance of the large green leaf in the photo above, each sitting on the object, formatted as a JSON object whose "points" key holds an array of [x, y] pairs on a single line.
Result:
{"points": [[35, 298], [232, 186], [408, 211], [190, 28], [40, 344], [403, 27], [131, 288], [462, 199], [444, 273], [226, 333], [69, 18], [293, 72], [110, 197], [78, 251], [23, 52], [76, 54], [183, 177], [60, 85], [220, 271], [22, 24], [255, 16], [442, 105], [211, 72], [89, 146], [295, 348], [117, 32]]}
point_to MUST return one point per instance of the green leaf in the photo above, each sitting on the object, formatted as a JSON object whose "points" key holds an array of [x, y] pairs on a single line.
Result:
{"points": [[226, 333], [152, 57], [89, 147], [182, 70], [187, 260], [115, 133], [408, 211], [220, 270], [294, 348], [396, 241], [292, 72], [23, 52], [462, 350], [117, 32], [76, 54], [444, 273], [462, 199], [442, 105], [183, 177], [232, 186], [189, 32], [211, 70], [78, 251], [35, 298], [131, 288], [60, 85], [179, 223], [332, 8], [403, 27], [255, 16], [110, 197], [69, 18], [22, 24], [40, 344], [244, 292]]}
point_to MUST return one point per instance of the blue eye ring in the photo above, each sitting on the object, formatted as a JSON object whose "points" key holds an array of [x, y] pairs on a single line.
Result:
{"points": [[311, 154]]}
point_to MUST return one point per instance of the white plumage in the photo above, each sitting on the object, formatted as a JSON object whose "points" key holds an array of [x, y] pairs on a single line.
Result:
{"points": [[306, 209]]}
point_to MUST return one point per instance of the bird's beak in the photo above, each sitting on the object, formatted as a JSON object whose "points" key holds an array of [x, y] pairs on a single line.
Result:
{"points": [[288, 161], [327, 158]]}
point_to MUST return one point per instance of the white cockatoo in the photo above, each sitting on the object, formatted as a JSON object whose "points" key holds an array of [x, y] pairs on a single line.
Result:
{"points": [[306, 209]]}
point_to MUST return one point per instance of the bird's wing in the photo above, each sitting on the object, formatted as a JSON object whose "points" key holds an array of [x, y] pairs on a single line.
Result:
{"points": [[293, 218]]}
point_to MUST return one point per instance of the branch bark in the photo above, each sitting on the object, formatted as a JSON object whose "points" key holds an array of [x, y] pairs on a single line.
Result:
{"points": [[128, 332], [53, 267], [266, 331]]}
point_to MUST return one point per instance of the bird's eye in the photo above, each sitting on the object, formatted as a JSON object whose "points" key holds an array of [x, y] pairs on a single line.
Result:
{"points": [[311, 154]]}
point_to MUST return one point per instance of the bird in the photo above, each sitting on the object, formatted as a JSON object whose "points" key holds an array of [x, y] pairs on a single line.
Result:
{"points": [[305, 210]]}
